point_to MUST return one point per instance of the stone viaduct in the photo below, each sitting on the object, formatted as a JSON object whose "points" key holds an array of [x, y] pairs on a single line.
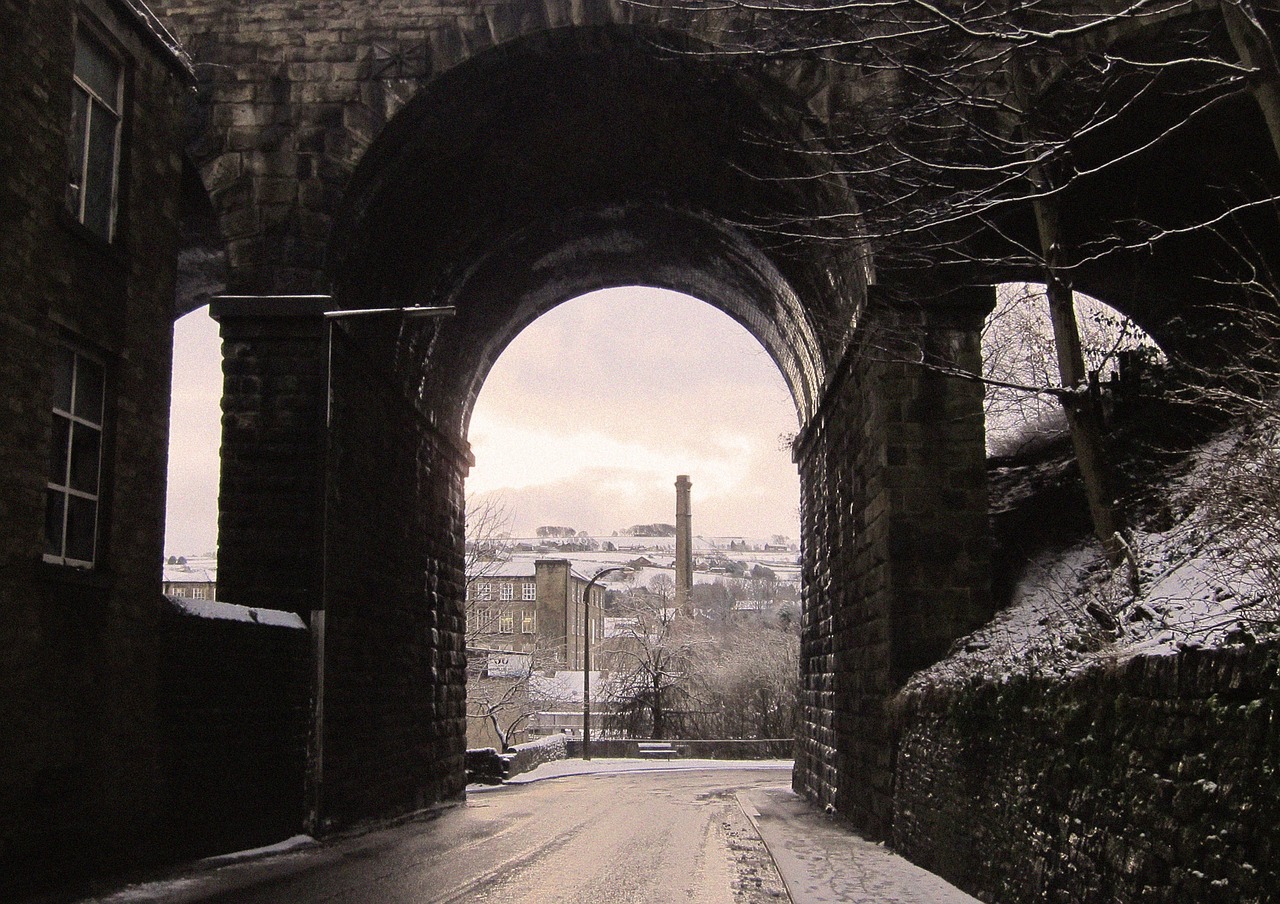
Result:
{"points": [[501, 158]]}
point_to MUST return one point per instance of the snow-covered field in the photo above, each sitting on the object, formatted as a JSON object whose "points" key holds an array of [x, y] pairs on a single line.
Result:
{"points": [[1207, 554], [660, 551]]}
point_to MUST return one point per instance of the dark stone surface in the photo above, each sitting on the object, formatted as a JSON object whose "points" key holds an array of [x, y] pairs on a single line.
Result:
{"points": [[80, 780], [1150, 780], [895, 551], [234, 707]]}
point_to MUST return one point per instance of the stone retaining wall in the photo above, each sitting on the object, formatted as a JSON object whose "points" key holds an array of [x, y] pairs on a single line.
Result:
{"points": [[1149, 780], [234, 706]]}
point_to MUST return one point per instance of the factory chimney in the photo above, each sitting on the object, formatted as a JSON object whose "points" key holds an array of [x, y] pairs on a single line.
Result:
{"points": [[684, 545]]}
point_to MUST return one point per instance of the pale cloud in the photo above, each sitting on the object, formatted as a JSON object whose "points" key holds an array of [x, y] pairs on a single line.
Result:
{"points": [[593, 410]]}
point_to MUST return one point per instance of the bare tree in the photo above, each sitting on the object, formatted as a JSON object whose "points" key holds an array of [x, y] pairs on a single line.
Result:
{"points": [[505, 693], [746, 684], [951, 122], [1019, 358], [488, 547], [650, 658]]}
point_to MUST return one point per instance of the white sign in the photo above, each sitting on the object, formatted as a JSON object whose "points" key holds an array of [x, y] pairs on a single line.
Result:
{"points": [[509, 665]]}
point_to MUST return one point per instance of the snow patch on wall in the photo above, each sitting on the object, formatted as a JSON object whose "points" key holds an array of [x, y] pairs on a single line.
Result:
{"points": [[213, 609]]}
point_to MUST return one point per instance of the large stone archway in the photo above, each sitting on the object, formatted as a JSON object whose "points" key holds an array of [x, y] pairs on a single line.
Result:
{"points": [[550, 166], [500, 158]]}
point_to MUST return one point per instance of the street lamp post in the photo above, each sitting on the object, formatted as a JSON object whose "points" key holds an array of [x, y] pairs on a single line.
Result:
{"points": [[586, 657]]}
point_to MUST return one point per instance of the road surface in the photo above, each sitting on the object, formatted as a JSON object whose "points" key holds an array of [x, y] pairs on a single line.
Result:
{"points": [[622, 838]]}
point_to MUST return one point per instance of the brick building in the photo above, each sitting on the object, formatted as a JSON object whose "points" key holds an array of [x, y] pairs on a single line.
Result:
{"points": [[528, 607], [524, 620], [92, 102]]}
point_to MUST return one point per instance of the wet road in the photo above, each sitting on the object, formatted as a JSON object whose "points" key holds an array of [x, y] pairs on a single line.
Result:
{"points": [[662, 837]]}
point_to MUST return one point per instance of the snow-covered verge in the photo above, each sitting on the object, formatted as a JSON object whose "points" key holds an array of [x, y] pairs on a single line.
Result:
{"points": [[1206, 543]]}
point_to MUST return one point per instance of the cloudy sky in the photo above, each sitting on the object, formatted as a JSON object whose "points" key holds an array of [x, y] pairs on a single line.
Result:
{"points": [[584, 422]]}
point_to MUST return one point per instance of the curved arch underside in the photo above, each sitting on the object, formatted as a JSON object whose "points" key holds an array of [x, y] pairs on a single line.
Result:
{"points": [[588, 158]]}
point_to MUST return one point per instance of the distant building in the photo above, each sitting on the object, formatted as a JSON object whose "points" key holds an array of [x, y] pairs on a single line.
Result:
{"points": [[531, 607], [523, 619], [193, 579]]}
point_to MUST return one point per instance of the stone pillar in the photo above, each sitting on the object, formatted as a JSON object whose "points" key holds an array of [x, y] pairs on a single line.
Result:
{"points": [[684, 544], [270, 500], [390, 717], [934, 491], [895, 536]]}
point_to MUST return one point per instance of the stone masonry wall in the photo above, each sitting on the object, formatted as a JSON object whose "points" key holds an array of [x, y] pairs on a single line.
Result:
{"points": [[895, 540], [395, 662], [273, 403], [292, 96], [79, 778], [1152, 780]]}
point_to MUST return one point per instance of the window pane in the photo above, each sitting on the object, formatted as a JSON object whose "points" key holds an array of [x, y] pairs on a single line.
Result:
{"points": [[100, 171], [75, 148], [62, 371], [89, 390], [55, 507], [82, 516], [96, 67], [85, 444], [58, 450]]}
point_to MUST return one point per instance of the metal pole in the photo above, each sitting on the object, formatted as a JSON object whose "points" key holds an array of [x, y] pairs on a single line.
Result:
{"points": [[586, 657], [586, 670]]}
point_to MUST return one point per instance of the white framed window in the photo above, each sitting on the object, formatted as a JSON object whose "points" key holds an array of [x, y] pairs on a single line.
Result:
{"points": [[484, 591], [529, 591], [93, 141], [508, 590], [71, 501], [506, 623], [528, 622]]}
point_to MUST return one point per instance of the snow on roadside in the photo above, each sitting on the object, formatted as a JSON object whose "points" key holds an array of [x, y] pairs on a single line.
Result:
{"points": [[1207, 555]]}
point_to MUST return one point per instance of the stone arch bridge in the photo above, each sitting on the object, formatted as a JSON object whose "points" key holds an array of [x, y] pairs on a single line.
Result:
{"points": [[503, 157]]}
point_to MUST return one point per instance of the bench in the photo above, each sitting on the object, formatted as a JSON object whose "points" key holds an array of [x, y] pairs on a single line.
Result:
{"points": [[656, 749]]}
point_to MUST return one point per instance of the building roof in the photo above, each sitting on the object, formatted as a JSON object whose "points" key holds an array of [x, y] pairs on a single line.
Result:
{"points": [[513, 568], [196, 570], [519, 568]]}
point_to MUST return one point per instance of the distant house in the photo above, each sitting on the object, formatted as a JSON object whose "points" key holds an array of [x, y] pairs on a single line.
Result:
{"points": [[531, 607], [557, 698], [192, 579]]}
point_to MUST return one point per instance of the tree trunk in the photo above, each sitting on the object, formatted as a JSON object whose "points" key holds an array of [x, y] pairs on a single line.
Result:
{"points": [[1083, 418], [1257, 51], [1080, 406]]}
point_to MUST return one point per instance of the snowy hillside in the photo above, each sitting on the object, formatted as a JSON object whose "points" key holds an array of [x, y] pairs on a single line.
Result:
{"points": [[1207, 545]]}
